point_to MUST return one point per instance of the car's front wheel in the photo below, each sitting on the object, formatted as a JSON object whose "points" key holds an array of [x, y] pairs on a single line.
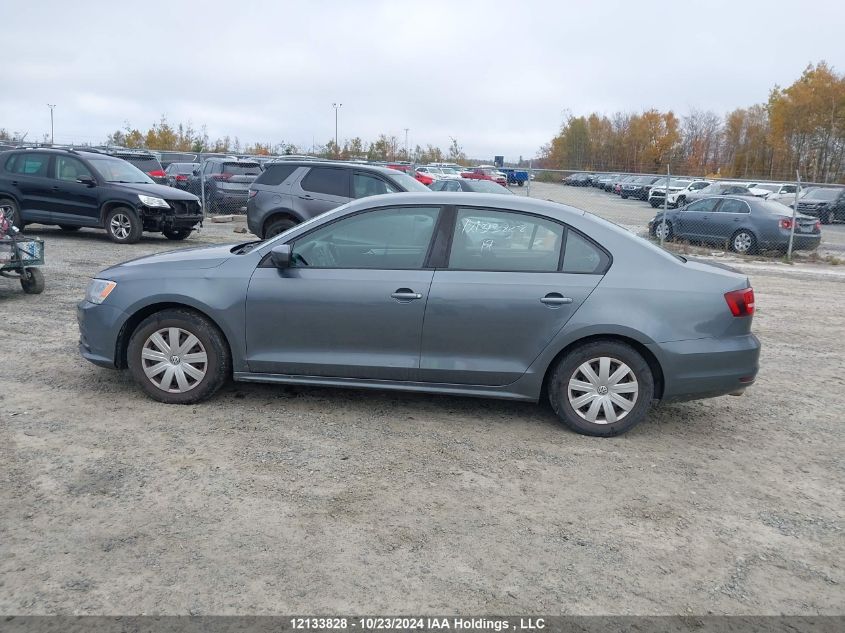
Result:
{"points": [[602, 388], [178, 357], [123, 225], [662, 230]]}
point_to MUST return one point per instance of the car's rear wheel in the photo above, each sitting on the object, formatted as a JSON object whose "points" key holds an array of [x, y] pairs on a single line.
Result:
{"points": [[178, 357], [123, 225], [825, 217], [68, 228], [176, 234], [602, 388], [278, 226], [13, 214], [744, 242]]}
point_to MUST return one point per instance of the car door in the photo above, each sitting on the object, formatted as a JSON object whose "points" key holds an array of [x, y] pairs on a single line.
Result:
{"points": [[694, 220], [30, 177], [73, 202], [321, 189], [727, 218], [352, 303], [502, 294]]}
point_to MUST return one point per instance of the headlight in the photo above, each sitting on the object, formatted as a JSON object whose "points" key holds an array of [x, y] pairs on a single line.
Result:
{"points": [[98, 290], [152, 201]]}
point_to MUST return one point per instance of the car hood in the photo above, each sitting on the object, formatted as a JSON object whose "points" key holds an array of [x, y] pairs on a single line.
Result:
{"points": [[183, 259], [159, 191]]}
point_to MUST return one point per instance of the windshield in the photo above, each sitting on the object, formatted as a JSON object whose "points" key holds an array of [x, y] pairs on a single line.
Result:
{"points": [[406, 183], [116, 170], [768, 187], [487, 186], [449, 170], [821, 193]]}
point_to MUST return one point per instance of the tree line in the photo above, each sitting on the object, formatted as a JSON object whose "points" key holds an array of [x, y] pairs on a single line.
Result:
{"points": [[800, 127]]}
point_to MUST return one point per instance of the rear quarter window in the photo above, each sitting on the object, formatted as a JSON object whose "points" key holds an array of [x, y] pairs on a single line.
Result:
{"points": [[275, 174], [330, 181], [581, 256]]}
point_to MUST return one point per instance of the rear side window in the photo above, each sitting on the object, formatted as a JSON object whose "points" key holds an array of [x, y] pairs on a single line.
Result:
{"points": [[505, 241], [733, 206], [582, 256], [29, 164], [275, 174], [328, 181]]}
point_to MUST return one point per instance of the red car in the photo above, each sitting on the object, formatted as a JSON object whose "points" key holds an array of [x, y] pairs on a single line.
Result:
{"points": [[485, 172], [424, 178]]}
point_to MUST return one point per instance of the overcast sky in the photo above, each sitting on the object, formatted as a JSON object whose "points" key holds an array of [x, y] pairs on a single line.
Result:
{"points": [[496, 79]]}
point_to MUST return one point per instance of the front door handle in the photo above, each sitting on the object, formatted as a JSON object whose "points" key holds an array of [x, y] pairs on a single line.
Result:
{"points": [[555, 299], [403, 295]]}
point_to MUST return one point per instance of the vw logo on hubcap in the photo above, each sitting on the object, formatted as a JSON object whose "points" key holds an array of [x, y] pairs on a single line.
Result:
{"points": [[174, 360], [602, 390]]}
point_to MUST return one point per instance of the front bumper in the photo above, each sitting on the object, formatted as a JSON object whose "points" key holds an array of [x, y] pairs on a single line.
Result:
{"points": [[707, 367], [99, 328]]}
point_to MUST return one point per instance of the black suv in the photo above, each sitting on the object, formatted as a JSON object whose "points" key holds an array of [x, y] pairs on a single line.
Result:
{"points": [[825, 203], [291, 191], [76, 188]]}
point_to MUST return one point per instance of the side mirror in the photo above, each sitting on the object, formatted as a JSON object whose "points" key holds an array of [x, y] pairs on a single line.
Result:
{"points": [[86, 180], [196, 172], [281, 255]]}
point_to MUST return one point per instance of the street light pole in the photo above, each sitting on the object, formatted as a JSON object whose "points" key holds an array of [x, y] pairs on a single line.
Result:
{"points": [[407, 156], [336, 107], [52, 138]]}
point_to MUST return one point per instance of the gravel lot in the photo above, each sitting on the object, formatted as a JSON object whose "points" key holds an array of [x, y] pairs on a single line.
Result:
{"points": [[283, 500]]}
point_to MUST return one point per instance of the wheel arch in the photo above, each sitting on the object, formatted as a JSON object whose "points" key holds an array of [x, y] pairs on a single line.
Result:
{"points": [[641, 348], [108, 205], [132, 323]]}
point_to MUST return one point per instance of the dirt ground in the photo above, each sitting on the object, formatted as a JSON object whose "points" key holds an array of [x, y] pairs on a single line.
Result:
{"points": [[298, 500]]}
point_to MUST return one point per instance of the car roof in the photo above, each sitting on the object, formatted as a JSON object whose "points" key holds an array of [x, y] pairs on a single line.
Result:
{"points": [[388, 171]]}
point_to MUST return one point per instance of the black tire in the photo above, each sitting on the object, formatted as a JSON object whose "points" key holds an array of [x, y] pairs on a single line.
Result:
{"points": [[278, 226], [15, 213], [624, 197], [749, 238], [825, 217], [32, 281], [123, 225], [568, 367], [176, 234], [653, 204], [218, 366], [520, 183], [680, 202], [69, 228]]}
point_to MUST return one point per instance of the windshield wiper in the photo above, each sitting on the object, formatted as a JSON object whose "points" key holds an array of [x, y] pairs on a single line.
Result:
{"points": [[246, 247]]}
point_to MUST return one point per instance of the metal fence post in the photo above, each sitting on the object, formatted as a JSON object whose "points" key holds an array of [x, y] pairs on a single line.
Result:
{"points": [[794, 215], [530, 176], [665, 208], [202, 190]]}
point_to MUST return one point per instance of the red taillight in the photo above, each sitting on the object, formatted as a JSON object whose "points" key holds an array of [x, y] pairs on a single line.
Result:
{"points": [[156, 173], [741, 302], [181, 177], [252, 193], [818, 225], [785, 223]]}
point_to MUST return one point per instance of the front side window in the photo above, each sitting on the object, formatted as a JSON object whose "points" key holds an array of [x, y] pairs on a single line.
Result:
{"points": [[389, 239], [702, 206], [502, 240], [364, 185], [30, 164], [71, 169], [330, 181], [699, 185]]}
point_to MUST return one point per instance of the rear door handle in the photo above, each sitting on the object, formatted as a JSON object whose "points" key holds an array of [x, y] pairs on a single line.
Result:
{"points": [[555, 299], [306, 197], [403, 295]]}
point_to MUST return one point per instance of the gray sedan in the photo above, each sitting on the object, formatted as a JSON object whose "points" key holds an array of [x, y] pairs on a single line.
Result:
{"points": [[450, 293], [745, 224]]}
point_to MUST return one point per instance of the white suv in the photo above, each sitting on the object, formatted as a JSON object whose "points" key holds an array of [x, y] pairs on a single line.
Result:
{"points": [[678, 198]]}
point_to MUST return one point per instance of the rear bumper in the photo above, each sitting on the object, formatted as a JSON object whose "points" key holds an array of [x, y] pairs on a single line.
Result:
{"points": [[707, 367]]}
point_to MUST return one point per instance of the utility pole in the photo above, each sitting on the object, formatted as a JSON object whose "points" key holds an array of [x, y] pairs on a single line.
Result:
{"points": [[52, 138], [407, 155], [336, 107]]}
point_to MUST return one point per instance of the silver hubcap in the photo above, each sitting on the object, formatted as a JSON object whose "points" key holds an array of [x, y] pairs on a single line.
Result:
{"points": [[662, 230], [120, 226], [603, 390], [742, 243], [174, 360]]}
